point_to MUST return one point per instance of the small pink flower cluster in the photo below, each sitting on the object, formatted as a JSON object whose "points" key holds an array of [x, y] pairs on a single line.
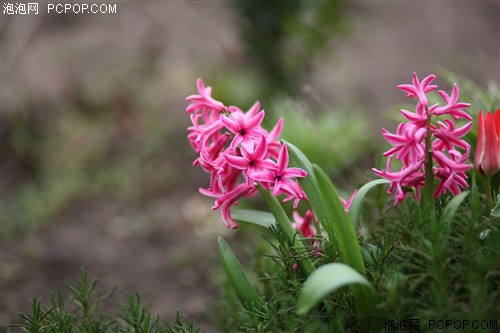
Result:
{"points": [[449, 151], [231, 143]]}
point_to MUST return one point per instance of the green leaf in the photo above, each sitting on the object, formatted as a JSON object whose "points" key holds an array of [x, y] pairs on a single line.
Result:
{"points": [[348, 244], [451, 209], [346, 235], [237, 277], [324, 280], [257, 217], [358, 199], [310, 187]]}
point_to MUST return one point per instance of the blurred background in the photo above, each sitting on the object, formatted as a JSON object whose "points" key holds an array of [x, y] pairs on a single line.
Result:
{"points": [[95, 165]]}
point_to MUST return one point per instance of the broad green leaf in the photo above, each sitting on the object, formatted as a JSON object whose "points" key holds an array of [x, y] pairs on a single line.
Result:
{"points": [[324, 280], [257, 217], [237, 276], [358, 199], [451, 209], [310, 187]]}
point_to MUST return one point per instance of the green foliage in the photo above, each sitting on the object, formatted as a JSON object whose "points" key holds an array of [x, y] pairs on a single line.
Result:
{"points": [[106, 137], [442, 270], [86, 314], [281, 282], [334, 139]]}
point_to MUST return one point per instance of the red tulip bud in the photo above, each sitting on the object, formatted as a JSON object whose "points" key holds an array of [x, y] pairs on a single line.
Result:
{"points": [[487, 156]]}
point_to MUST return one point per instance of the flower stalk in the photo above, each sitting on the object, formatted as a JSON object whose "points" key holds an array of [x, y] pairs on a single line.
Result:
{"points": [[428, 196], [489, 196]]}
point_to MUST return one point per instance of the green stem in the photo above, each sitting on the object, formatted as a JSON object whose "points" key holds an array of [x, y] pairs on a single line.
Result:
{"points": [[489, 197], [428, 195]]}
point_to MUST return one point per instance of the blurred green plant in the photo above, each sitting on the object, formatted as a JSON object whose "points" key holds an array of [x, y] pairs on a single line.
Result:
{"points": [[334, 139], [283, 38], [106, 137], [84, 313]]}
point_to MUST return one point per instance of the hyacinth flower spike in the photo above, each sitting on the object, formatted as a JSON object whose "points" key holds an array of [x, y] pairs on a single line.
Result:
{"points": [[428, 151], [231, 143], [487, 155]]}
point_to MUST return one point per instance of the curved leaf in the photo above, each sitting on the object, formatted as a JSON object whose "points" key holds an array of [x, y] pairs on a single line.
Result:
{"points": [[346, 235], [310, 187], [257, 217], [237, 276], [325, 280], [358, 199]]}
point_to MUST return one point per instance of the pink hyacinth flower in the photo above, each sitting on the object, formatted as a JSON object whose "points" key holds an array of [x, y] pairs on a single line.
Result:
{"points": [[407, 142], [401, 178], [251, 161], [419, 89], [304, 224], [347, 203], [451, 172], [452, 107], [447, 137], [204, 102], [226, 200], [246, 127], [281, 176]]}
